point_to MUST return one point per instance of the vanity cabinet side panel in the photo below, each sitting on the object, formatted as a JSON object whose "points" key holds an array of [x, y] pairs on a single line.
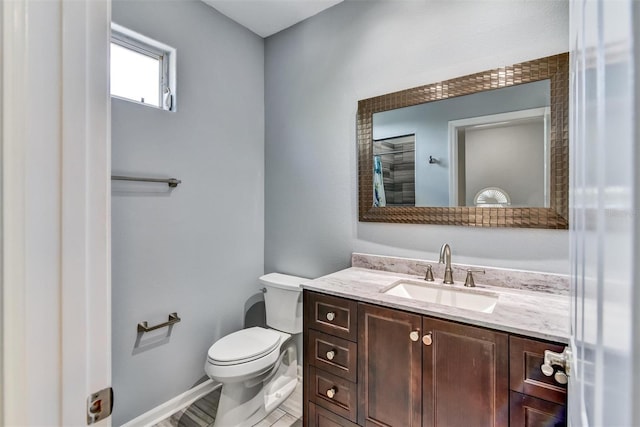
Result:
{"points": [[305, 358], [389, 367], [465, 375]]}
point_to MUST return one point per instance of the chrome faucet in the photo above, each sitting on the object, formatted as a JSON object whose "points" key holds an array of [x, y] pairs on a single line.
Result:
{"points": [[445, 258]]}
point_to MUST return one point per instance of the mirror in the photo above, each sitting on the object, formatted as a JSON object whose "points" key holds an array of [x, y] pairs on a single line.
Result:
{"points": [[466, 150], [488, 149]]}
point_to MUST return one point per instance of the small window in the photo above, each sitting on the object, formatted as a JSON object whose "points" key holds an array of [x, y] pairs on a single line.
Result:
{"points": [[142, 69]]}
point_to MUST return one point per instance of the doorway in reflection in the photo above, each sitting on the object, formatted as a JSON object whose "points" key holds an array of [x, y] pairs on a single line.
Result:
{"points": [[500, 160], [395, 162]]}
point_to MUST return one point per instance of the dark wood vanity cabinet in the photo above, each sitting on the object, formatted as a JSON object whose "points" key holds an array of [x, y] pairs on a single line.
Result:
{"points": [[389, 367], [419, 371]]}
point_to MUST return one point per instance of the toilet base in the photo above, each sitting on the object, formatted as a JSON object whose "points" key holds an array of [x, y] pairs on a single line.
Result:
{"points": [[246, 403]]}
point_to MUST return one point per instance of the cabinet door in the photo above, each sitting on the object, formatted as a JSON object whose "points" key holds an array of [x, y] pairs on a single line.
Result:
{"points": [[528, 411], [389, 367], [465, 377]]}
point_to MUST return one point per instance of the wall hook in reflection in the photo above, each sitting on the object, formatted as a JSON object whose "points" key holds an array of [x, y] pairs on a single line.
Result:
{"points": [[433, 160]]}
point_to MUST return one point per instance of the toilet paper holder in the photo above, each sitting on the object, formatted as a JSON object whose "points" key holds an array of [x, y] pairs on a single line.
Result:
{"points": [[144, 327]]}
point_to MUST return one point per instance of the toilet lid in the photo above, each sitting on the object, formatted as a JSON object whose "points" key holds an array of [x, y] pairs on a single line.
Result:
{"points": [[243, 346]]}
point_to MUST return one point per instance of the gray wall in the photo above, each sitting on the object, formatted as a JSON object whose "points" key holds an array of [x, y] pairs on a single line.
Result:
{"points": [[508, 157], [196, 250], [315, 73], [430, 123]]}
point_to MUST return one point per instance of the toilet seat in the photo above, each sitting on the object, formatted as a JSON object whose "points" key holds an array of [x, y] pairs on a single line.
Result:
{"points": [[245, 354], [243, 346]]}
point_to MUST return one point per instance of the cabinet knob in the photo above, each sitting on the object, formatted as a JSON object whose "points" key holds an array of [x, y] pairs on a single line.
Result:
{"points": [[414, 336], [547, 369], [330, 316], [331, 392], [331, 354], [427, 340], [561, 377]]}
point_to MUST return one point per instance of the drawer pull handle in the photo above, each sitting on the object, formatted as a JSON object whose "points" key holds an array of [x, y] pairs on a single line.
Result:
{"points": [[331, 392], [331, 354], [414, 336], [427, 340], [330, 316]]}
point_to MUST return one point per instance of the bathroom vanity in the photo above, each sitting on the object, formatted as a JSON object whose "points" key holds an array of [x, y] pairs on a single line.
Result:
{"points": [[377, 359]]}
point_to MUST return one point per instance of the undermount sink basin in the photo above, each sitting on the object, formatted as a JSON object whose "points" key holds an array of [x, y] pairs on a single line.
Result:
{"points": [[459, 298]]}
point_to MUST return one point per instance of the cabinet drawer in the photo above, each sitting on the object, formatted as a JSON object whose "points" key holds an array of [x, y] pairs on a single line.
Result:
{"points": [[333, 393], [320, 417], [527, 411], [332, 315], [332, 354], [526, 357]]}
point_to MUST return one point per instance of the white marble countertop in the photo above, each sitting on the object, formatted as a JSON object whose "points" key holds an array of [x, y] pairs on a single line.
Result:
{"points": [[536, 314]]}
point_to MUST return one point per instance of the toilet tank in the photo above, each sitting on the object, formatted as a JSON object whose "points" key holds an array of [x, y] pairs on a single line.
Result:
{"points": [[283, 301]]}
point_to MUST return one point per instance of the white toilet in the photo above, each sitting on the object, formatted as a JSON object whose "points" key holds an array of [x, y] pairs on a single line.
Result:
{"points": [[256, 366]]}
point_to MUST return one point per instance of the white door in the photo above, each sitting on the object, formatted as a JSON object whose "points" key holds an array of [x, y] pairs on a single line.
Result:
{"points": [[56, 325], [604, 223]]}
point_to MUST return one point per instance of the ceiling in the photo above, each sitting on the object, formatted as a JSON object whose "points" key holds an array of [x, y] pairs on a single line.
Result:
{"points": [[267, 17]]}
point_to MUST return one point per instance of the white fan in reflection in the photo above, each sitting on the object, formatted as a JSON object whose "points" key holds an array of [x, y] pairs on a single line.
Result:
{"points": [[492, 197]]}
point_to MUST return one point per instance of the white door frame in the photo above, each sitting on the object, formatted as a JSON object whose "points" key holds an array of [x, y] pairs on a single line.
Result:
{"points": [[56, 325], [604, 225]]}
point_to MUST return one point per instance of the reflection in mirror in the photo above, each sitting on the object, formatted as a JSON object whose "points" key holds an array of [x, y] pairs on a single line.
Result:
{"points": [[503, 159], [496, 139], [394, 171], [490, 149]]}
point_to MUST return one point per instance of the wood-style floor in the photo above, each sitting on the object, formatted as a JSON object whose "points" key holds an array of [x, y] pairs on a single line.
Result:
{"points": [[202, 413]]}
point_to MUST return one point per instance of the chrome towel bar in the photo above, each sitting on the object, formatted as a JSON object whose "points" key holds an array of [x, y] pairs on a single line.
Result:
{"points": [[172, 182], [173, 319]]}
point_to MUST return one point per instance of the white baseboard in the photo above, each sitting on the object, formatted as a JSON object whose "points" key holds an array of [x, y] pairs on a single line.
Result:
{"points": [[172, 406]]}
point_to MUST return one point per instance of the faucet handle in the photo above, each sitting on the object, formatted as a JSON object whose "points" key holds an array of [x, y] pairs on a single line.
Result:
{"points": [[428, 275], [468, 282]]}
